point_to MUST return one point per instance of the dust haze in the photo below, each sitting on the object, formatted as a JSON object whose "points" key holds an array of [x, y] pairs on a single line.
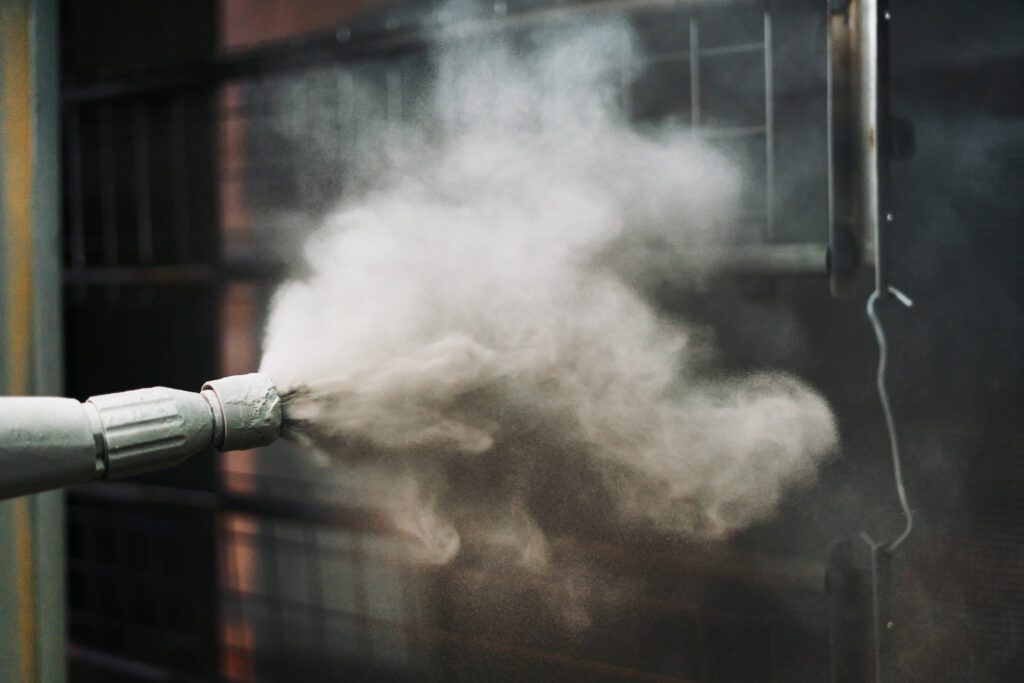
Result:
{"points": [[474, 324]]}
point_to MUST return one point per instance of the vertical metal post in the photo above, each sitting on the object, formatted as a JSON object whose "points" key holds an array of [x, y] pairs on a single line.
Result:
{"points": [[769, 128], [108, 185], [180, 181], [393, 98], [346, 94], [702, 649], [31, 529], [694, 74], [144, 201], [626, 81], [855, 93], [76, 200]]}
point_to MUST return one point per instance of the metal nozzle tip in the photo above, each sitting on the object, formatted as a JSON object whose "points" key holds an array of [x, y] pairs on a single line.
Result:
{"points": [[247, 411]]}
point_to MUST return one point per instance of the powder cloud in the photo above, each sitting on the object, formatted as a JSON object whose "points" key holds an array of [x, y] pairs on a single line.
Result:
{"points": [[474, 316]]}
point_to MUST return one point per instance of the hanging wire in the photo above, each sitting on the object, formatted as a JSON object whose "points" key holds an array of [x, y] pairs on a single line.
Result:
{"points": [[890, 423]]}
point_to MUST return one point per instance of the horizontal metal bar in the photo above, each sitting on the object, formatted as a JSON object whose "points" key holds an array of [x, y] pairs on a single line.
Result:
{"points": [[777, 259], [663, 57], [144, 275], [761, 259], [684, 55], [132, 492], [175, 274], [738, 48], [463, 640], [105, 622], [335, 515], [697, 607], [729, 131], [762, 570], [278, 58], [342, 45], [476, 642], [85, 567], [123, 666]]}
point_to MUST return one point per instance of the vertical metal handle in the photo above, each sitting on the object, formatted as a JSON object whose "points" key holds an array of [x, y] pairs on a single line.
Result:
{"points": [[855, 117]]}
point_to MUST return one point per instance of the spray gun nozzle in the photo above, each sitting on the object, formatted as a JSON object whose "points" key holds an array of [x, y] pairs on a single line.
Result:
{"points": [[47, 443]]}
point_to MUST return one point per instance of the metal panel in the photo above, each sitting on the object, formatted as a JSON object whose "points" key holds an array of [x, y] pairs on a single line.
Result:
{"points": [[32, 573]]}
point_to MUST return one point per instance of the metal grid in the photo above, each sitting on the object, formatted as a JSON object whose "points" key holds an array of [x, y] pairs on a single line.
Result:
{"points": [[138, 590], [153, 248], [712, 67], [311, 590], [380, 618], [177, 185], [140, 183], [714, 76]]}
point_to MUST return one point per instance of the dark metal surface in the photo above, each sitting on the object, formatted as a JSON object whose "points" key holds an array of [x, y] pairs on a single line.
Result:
{"points": [[280, 587]]}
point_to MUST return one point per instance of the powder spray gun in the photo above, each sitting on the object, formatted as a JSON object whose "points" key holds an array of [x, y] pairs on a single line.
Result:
{"points": [[49, 443]]}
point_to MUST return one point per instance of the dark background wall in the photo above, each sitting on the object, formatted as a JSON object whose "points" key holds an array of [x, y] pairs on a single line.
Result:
{"points": [[145, 308], [140, 198]]}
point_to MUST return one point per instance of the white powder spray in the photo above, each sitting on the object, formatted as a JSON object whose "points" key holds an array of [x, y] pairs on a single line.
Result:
{"points": [[472, 326]]}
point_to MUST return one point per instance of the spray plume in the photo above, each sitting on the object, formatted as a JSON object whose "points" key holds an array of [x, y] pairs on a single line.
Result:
{"points": [[473, 327]]}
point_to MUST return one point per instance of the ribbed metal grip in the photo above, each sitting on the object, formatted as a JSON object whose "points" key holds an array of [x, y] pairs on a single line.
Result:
{"points": [[150, 429]]}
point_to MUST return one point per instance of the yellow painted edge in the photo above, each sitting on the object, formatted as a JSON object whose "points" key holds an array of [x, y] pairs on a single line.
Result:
{"points": [[25, 587], [17, 125], [15, 55]]}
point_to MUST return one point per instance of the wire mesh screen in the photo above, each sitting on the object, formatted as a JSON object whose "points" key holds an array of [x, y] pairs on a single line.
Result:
{"points": [[265, 566], [716, 71], [301, 596], [139, 585], [306, 598]]}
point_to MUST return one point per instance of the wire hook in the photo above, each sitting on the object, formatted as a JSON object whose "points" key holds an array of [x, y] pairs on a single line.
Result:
{"points": [[890, 422]]}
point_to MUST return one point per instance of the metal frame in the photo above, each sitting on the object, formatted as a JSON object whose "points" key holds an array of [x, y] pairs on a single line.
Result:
{"points": [[32, 528]]}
